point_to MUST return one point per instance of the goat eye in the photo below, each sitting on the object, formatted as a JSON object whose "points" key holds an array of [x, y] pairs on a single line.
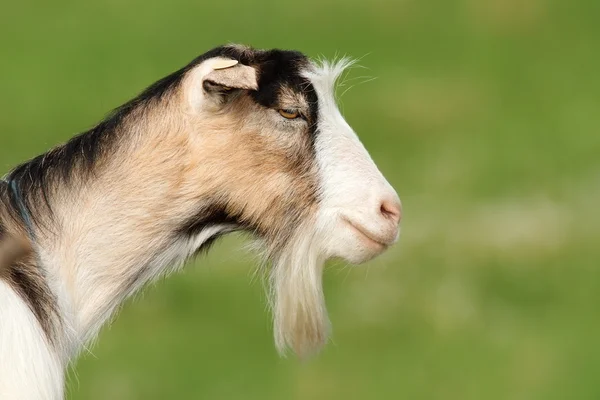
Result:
{"points": [[289, 114]]}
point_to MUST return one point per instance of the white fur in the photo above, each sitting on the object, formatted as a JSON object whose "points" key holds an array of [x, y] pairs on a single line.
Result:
{"points": [[352, 187], [29, 368], [164, 262], [300, 315]]}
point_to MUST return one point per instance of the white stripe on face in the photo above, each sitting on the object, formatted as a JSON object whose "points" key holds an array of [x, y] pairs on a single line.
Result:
{"points": [[358, 206]]}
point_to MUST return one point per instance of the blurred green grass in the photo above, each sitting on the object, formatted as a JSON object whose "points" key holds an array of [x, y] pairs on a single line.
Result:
{"points": [[484, 116]]}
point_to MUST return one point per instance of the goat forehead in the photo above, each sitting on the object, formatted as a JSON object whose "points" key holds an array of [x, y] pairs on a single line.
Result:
{"points": [[280, 74]]}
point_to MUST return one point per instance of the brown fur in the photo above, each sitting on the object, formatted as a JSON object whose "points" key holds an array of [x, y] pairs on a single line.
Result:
{"points": [[170, 163], [166, 163]]}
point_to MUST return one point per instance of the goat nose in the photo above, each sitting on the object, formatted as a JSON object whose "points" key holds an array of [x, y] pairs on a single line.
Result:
{"points": [[391, 209]]}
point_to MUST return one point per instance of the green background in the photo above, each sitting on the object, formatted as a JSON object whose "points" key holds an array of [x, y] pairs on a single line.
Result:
{"points": [[484, 116]]}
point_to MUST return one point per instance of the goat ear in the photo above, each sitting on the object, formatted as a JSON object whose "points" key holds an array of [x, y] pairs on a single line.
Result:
{"points": [[209, 84], [227, 75]]}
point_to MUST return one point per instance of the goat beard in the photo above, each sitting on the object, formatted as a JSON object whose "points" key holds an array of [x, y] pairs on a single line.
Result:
{"points": [[295, 292]]}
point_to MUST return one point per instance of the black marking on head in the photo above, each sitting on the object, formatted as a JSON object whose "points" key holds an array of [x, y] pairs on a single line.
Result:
{"points": [[281, 68], [276, 69]]}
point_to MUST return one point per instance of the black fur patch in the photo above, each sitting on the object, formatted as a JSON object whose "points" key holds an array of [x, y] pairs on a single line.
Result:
{"points": [[213, 214], [25, 276], [279, 68], [29, 281]]}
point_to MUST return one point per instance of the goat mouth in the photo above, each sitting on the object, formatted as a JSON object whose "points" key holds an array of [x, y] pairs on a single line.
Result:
{"points": [[366, 235]]}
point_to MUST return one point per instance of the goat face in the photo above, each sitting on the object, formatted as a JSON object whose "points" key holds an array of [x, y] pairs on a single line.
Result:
{"points": [[359, 209], [278, 159]]}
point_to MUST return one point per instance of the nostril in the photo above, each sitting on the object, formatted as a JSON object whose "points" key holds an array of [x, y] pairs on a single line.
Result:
{"points": [[391, 210]]}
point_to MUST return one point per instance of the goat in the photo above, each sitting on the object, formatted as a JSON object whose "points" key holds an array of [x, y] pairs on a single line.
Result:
{"points": [[240, 139]]}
